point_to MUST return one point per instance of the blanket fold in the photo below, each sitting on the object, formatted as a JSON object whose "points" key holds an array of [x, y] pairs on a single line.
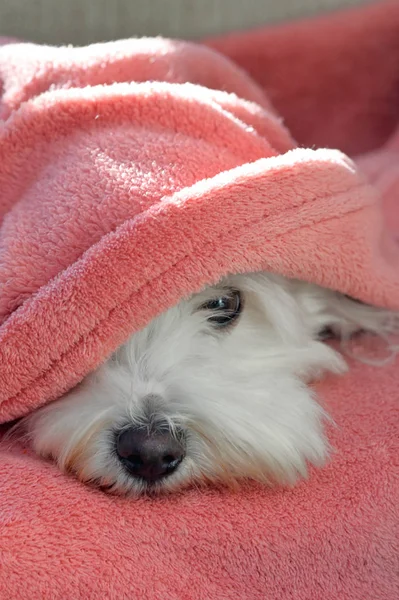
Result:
{"points": [[134, 173]]}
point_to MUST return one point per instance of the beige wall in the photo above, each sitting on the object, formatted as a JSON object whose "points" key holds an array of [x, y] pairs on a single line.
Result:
{"points": [[84, 21]]}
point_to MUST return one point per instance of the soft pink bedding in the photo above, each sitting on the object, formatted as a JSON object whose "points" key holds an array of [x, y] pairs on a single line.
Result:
{"points": [[133, 173]]}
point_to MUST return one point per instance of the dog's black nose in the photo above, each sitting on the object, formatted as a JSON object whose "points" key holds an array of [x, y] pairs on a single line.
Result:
{"points": [[149, 455]]}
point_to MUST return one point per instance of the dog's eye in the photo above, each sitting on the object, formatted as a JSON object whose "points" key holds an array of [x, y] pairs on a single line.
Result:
{"points": [[224, 309]]}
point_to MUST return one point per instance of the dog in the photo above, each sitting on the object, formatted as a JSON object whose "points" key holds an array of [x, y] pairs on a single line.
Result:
{"points": [[214, 390]]}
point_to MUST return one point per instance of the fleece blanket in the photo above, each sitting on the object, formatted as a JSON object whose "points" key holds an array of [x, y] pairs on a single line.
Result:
{"points": [[131, 175]]}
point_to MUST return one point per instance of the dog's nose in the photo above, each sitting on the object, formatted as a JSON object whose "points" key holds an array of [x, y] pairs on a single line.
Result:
{"points": [[149, 455]]}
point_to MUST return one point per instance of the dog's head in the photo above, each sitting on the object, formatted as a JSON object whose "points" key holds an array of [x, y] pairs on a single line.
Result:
{"points": [[212, 390]]}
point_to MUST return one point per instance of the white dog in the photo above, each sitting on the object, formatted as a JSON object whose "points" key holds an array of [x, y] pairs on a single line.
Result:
{"points": [[213, 390]]}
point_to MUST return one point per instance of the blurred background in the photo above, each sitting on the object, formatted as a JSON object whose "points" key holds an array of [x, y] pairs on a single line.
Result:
{"points": [[84, 21]]}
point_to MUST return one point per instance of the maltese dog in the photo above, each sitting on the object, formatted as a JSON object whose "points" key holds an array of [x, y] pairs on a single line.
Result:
{"points": [[215, 390]]}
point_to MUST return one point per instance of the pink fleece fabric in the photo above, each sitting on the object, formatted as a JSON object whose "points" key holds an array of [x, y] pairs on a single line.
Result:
{"points": [[134, 173], [334, 537]]}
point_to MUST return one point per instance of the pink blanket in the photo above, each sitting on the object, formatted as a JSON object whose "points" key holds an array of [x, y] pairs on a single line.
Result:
{"points": [[123, 188]]}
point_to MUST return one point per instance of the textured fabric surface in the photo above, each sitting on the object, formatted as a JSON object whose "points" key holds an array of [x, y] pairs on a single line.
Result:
{"points": [[85, 21], [335, 536], [119, 198], [334, 79]]}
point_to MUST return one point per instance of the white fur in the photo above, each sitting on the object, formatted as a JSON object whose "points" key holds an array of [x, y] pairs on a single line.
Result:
{"points": [[240, 394]]}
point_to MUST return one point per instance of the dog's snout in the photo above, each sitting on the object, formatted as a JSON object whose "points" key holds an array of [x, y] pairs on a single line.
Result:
{"points": [[149, 455]]}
